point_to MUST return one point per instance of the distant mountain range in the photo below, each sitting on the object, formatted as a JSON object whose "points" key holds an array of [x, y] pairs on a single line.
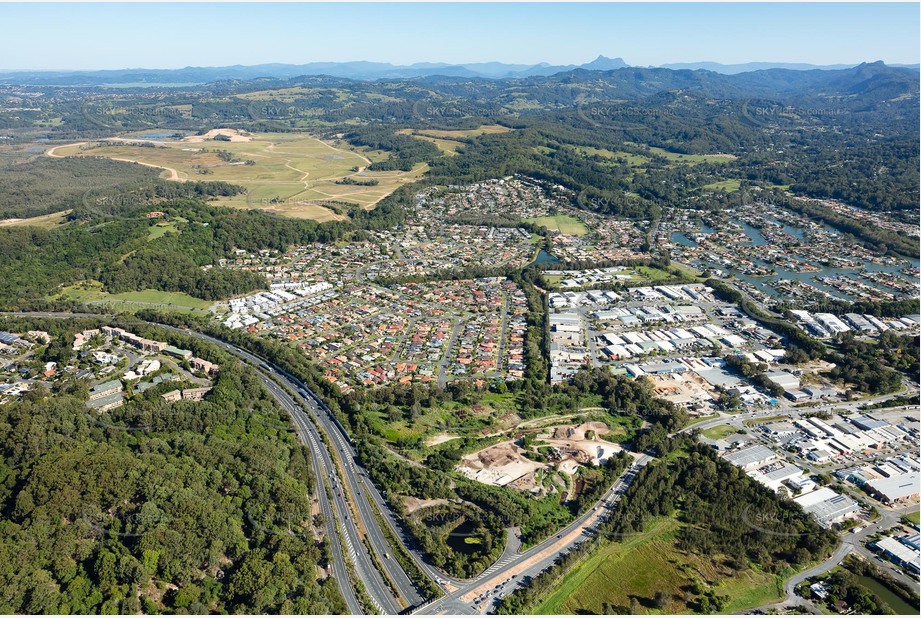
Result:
{"points": [[361, 70]]}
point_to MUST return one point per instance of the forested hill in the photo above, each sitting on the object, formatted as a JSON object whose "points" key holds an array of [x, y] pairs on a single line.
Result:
{"points": [[633, 82], [156, 507]]}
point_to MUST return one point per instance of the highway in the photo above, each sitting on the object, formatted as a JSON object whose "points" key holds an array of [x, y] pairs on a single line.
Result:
{"points": [[302, 407], [366, 570], [310, 416], [326, 507]]}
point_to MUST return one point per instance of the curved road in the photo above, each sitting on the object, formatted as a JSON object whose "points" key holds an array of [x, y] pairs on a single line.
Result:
{"points": [[463, 597]]}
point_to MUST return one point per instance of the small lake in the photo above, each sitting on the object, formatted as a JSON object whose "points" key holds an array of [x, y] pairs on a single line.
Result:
{"points": [[888, 595], [545, 258], [161, 135], [680, 239], [464, 538], [753, 233]]}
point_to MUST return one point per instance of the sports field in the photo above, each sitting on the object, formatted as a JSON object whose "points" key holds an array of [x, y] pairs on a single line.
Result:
{"points": [[291, 174], [564, 224]]}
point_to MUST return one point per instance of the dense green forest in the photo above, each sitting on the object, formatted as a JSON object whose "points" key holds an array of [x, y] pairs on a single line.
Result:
{"points": [[873, 367], [44, 185], [88, 186], [191, 507]]}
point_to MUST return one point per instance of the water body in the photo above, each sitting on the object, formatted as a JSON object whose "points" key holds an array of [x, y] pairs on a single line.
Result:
{"points": [[545, 258], [794, 231], [888, 595], [753, 233], [680, 239], [810, 278], [465, 539], [162, 135]]}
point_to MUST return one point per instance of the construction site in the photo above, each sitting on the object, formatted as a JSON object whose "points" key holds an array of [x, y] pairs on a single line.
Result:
{"points": [[542, 461]]}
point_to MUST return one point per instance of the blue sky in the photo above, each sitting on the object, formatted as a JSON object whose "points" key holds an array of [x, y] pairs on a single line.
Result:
{"points": [[110, 36]]}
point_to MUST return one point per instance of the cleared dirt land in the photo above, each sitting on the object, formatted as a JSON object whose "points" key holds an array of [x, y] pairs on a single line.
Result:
{"points": [[295, 175], [565, 446], [47, 221]]}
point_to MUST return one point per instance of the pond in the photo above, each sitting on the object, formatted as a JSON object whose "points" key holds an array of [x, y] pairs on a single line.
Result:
{"points": [[545, 258], [161, 135], [464, 538], [888, 595]]}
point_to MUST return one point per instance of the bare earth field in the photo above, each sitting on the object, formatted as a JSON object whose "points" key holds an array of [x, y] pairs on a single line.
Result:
{"points": [[508, 464]]}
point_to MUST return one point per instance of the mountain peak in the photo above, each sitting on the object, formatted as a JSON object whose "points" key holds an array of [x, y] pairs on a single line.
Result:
{"points": [[603, 63]]}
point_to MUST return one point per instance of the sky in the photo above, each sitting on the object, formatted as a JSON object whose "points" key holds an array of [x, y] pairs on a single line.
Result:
{"points": [[87, 36]]}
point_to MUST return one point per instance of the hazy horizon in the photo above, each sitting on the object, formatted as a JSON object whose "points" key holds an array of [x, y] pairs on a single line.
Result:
{"points": [[160, 36]]}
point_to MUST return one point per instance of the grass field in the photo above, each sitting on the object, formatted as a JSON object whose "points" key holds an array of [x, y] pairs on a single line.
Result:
{"points": [[449, 141], [291, 174], [648, 563], [46, 221], [719, 432], [486, 129], [161, 229], [564, 224], [639, 161], [447, 146], [727, 186], [652, 274], [687, 270], [91, 292], [691, 159], [914, 518], [633, 160]]}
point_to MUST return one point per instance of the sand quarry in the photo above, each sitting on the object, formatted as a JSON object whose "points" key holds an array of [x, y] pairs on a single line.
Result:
{"points": [[507, 463], [232, 134]]}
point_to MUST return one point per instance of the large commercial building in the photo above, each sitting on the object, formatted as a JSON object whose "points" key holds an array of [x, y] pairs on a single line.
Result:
{"points": [[900, 553], [750, 457], [899, 488], [827, 506]]}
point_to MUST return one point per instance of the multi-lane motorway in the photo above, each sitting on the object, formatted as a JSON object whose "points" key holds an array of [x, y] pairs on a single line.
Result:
{"points": [[308, 412], [310, 416], [353, 506]]}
